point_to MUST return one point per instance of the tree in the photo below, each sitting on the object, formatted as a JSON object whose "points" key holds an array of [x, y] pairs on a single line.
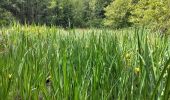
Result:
{"points": [[99, 8], [28, 11], [117, 14], [5, 17], [99, 12], [67, 13], [152, 13]]}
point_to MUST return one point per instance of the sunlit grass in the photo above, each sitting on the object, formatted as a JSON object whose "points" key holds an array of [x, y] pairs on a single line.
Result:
{"points": [[47, 62]]}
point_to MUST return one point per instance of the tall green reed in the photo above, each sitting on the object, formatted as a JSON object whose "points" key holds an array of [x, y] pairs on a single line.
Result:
{"points": [[50, 63]]}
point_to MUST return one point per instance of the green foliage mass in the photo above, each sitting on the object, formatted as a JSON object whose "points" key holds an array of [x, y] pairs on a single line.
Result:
{"points": [[27, 11], [65, 13], [117, 13], [53, 64], [154, 14], [5, 17]]}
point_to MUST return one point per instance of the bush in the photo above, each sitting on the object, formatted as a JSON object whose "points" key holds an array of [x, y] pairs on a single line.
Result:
{"points": [[5, 17]]}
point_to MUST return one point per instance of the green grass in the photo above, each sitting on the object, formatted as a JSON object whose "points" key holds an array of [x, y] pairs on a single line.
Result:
{"points": [[83, 64]]}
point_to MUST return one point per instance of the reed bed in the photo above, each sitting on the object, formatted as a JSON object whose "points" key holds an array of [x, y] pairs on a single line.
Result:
{"points": [[40, 62]]}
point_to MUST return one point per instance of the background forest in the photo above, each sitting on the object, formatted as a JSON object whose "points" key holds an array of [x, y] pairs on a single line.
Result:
{"points": [[88, 13]]}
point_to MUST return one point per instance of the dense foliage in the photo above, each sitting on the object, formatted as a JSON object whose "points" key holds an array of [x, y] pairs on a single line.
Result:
{"points": [[54, 64], [90, 13], [5, 17], [66, 13], [41, 62], [117, 13], [154, 14]]}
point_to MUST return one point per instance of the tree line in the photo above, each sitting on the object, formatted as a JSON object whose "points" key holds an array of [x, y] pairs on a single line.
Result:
{"points": [[88, 13], [65, 13]]}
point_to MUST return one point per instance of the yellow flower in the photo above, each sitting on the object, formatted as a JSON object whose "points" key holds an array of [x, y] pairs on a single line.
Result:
{"points": [[137, 70], [127, 56], [10, 76]]}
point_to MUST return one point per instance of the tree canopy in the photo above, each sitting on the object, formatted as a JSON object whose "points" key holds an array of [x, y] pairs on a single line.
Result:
{"points": [[154, 14], [65, 13]]}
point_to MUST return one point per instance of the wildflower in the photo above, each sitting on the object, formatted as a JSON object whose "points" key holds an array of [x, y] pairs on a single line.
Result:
{"points": [[137, 70], [127, 59], [10, 76], [127, 56]]}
